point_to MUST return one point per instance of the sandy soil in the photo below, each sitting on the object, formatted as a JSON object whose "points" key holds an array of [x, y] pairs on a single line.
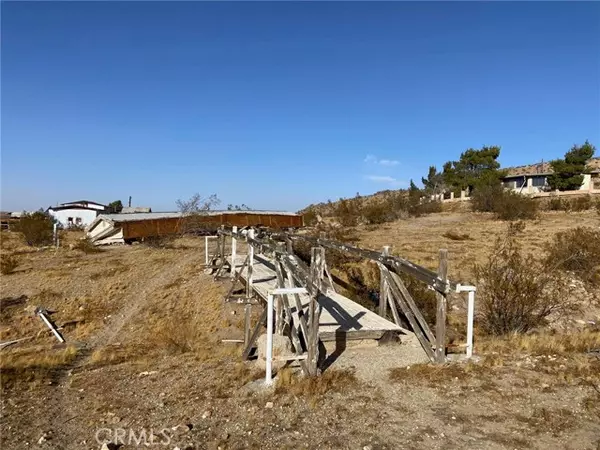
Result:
{"points": [[144, 355]]}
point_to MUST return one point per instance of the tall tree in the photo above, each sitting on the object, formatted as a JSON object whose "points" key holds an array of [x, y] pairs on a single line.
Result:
{"points": [[568, 172], [472, 165], [116, 206], [434, 183]]}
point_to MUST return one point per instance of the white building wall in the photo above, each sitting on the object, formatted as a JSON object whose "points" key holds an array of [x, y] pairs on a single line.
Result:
{"points": [[85, 216]]}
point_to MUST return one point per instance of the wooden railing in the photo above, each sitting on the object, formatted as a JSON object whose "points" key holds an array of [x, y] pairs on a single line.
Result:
{"points": [[316, 278]]}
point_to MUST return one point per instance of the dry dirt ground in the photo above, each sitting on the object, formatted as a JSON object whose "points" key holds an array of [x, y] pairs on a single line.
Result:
{"points": [[144, 361]]}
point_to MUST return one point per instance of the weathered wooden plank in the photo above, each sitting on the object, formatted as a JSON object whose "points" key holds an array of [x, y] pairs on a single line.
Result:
{"points": [[411, 303], [338, 312], [383, 285], [254, 336], [425, 343], [314, 309], [237, 277], [394, 262], [440, 319]]}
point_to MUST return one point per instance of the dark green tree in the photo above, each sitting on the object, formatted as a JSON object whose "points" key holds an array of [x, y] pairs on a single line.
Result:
{"points": [[472, 165], [434, 183], [116, 206], [241, 207], [568, 172]]}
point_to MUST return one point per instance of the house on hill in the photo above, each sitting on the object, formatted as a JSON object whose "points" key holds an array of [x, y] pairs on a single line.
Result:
{"points": [[79, 213], [533, 178]]}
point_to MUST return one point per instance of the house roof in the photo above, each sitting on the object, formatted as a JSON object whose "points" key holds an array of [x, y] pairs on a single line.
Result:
{"points": [[544, 168], [83, 202]]}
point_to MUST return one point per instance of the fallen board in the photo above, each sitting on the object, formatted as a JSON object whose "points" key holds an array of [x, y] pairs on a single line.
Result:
{"points": [[341, 318]]}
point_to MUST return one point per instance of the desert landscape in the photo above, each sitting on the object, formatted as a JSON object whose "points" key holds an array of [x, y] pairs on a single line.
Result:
{"points": [[144, 356]]}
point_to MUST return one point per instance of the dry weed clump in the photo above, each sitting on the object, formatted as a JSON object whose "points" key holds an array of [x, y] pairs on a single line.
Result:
{"points": [[87, 247], [37, 228], [315, 387], [518, 292], [33, 364], [8, 264], [434, 374], [455, 236], [577, 251], [547, 343], [506, 205]]}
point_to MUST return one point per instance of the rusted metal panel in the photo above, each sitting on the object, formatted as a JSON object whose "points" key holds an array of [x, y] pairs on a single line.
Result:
{"points": [[165, 226]]}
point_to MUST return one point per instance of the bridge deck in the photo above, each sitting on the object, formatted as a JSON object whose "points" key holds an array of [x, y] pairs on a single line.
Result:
{"points": [[341, 318]]}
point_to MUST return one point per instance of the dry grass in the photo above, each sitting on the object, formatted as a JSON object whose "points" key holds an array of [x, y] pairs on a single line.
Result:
{"points": [[455, 236], [33, 364], [541, 344], [8, 264], [315, 387], [434, 374], [86, 246]]}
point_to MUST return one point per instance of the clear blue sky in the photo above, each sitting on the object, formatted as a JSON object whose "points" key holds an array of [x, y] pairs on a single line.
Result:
{"points": [[278, 105]]}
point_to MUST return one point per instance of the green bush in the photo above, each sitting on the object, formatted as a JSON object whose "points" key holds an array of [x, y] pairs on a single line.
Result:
{"points": [[486, 196], [37, 228]]}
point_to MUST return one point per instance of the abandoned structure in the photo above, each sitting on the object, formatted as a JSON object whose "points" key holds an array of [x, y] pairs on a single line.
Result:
{"points": [[124, 228], [79, 213], [533, 178]]}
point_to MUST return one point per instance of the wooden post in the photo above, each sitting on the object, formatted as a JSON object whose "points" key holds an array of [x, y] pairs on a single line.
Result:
{"points": [[222, 243], [279, 301], [233, 252], [440, 319], [250, 265], [314, 309], [248, 316], [289, 246], [383, 289]]}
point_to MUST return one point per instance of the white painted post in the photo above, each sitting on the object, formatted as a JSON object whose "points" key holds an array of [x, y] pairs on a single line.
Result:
{"points": [[269, 349], [463, 195], [452, 195], [55, 234], [206, 250], [470, 314], [233, 251]]}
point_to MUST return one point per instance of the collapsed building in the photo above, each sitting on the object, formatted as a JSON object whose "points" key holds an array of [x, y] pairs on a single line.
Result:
{"points": [[126, 228]]}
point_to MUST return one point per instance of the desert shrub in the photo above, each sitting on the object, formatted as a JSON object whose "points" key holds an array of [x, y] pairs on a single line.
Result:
{"points": [[513, 206], [454, 236], [37, 228], [377, 213], [348, 212], [430, 207], [310, 217], [486, 195], [8, 263], [517, 292], [86, 246], [161, 241], [557, 204], [577, 251], [581, 203]]}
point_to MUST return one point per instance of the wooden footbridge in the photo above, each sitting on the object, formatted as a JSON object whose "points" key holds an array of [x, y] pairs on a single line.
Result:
{"points": [[300, 301]]}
